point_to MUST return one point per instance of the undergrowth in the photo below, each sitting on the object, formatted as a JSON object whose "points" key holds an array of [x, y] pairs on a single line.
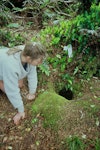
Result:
{"points": [[84, 63]]}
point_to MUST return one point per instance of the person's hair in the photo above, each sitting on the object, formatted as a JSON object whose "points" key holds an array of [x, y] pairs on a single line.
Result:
{"points": [[13, 50], [34, 50]]}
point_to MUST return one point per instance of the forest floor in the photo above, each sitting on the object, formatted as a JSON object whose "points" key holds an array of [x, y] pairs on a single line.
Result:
{"points": [[84, 122], [30, 136]]}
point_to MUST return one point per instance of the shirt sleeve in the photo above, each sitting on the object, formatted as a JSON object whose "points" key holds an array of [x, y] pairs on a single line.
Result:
{"points": [[12, 90], [32, 79]]}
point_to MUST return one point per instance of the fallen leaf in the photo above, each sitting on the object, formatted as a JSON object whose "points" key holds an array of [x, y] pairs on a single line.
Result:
{"points": [[5, 139]]}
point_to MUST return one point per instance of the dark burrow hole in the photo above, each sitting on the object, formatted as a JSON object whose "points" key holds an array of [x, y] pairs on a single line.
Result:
{"points": [[66, 93]]}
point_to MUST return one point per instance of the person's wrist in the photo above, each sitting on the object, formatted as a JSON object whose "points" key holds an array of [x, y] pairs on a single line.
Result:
{"points": [[21, 112], [18, 117], [21, 109], [31, 96]]}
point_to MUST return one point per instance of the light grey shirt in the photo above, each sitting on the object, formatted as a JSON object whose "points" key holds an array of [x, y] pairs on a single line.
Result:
{"points": [[11, 71]]}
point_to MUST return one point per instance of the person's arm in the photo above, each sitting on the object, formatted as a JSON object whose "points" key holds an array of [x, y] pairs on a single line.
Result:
{"points": [[10, 79], [12, 90], [32, 82]]}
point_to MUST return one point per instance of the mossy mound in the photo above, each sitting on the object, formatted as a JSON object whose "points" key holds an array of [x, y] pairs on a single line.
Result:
{"points": [[66, 117], [51, 107]]}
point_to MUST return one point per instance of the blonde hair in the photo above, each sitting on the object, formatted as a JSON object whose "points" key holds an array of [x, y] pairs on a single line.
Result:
{"points": [[34, 50]]}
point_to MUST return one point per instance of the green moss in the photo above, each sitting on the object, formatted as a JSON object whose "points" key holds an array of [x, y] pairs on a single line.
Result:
{"points": [[51, 106]]}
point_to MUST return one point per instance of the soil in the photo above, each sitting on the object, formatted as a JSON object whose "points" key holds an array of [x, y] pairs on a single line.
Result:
{"points": [[29, 136]]}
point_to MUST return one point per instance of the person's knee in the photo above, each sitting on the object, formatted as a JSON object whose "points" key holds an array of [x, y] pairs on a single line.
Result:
{"points": [[20, 85], [20, 82], [2, 86]]}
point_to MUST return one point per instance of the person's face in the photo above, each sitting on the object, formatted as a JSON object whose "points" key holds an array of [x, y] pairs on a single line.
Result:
{"points": [[35, 62]]}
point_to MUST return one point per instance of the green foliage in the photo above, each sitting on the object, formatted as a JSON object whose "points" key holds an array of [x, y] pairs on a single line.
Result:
{"points": [[97, 144], [5, 14], [59, 64], [84, 62], [77, 143], [59, 61], [17, 39], [66, 32], [74, 143], [89, 20], [86, 67], [9, 39], [4, 19], [13, 25], [68, 80], [44, 67]]}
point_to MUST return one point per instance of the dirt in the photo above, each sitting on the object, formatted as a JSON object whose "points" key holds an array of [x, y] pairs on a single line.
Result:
{"points": [[30, 136]]}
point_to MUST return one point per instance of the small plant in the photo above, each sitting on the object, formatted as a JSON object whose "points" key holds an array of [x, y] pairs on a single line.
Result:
{"points": [[86, 67], [35, 120], [97, 144], [74, 143], [44, 67], [69, 81], [8, 39], [16, 39], [13, 25], [5, 14]]}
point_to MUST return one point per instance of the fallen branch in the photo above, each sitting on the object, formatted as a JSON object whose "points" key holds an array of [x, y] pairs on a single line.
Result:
{"points": [[95, 33]]}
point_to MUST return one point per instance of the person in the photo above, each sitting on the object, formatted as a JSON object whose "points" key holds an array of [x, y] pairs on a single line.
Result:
{"points": [[15, 64]]}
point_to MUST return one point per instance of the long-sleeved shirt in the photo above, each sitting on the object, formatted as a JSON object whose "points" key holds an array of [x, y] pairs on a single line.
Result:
{"points": [[11, 71]]}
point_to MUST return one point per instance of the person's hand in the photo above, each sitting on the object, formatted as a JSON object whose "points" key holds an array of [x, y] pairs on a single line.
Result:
{"points": [[18, 117], [30, 96]]}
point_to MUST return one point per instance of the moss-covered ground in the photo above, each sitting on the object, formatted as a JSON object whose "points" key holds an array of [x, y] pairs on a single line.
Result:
{"points": [[52, 122]]}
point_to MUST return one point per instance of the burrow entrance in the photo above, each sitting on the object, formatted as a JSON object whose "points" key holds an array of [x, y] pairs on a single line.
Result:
{"points": [[66, 93]]}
